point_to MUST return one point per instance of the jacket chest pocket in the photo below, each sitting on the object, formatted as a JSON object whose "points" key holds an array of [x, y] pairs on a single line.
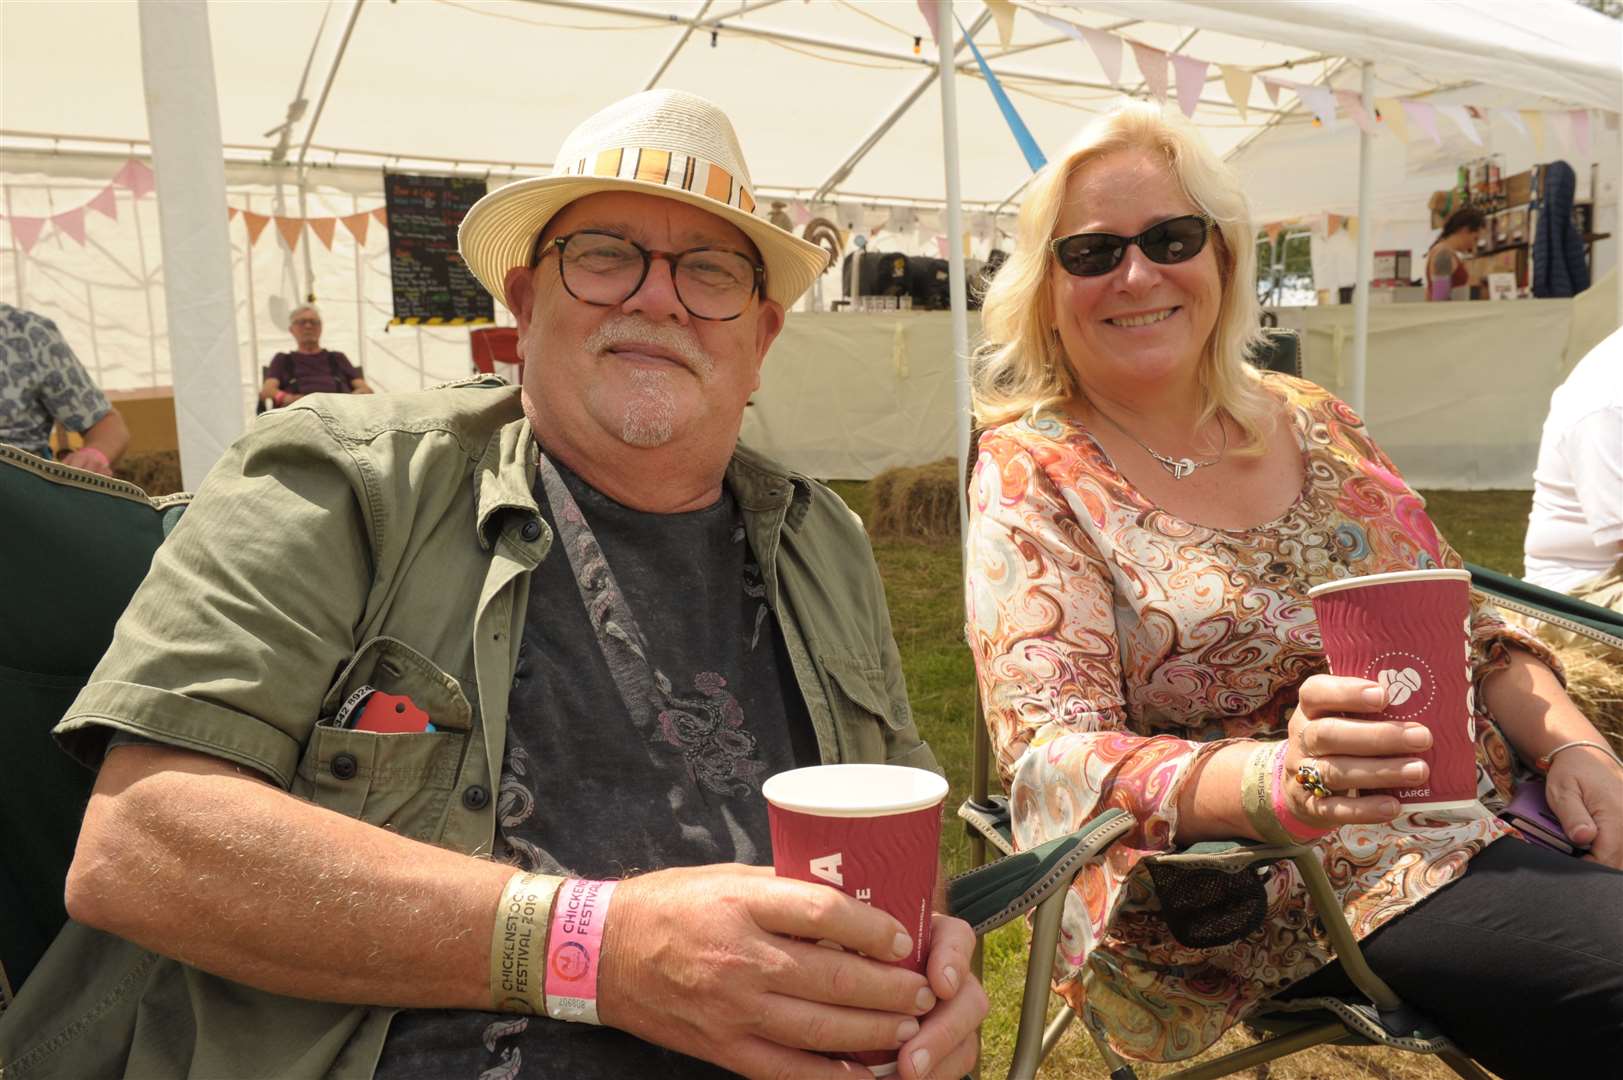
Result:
{"points": [[863, 710], [397, 780]]}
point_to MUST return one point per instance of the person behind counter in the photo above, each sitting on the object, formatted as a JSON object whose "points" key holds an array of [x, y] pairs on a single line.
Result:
{"points": [[1445, 260]]}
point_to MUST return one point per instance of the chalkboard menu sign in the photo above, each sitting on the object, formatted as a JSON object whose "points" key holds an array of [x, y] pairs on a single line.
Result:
{"points": [[431, 283]]}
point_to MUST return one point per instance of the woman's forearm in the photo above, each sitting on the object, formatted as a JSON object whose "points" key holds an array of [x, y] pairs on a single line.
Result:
{"points": [[1209, 802], [1532, 709]]}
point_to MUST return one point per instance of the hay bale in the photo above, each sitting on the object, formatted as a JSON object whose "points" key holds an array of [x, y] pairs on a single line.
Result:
{"points": [[916, 502], [156, 472], [1595, 684]]}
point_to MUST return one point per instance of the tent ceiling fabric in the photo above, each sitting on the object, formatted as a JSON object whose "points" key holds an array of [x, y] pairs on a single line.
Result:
{"points": [[504, 82]]}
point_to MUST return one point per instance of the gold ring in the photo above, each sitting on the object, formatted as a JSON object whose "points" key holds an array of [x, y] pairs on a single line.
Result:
{"points": [[1309, 777]]}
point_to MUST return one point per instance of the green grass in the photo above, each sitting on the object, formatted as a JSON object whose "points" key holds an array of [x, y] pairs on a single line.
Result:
{"points": [[923, 587]]}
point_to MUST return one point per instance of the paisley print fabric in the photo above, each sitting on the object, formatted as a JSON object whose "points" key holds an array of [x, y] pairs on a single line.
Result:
{"points": [[1116, 645]]}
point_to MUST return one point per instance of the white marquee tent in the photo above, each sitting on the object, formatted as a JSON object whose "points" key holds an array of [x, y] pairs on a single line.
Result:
{"points": [[834, 101]]}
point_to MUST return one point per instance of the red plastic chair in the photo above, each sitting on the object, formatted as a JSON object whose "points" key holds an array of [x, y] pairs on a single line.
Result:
{"points": [[494, 345]]}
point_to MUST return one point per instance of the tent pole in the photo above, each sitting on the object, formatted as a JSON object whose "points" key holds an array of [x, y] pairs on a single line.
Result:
{"points": [[676, 47], [183, 115], [1366, 255], [955, 252]]}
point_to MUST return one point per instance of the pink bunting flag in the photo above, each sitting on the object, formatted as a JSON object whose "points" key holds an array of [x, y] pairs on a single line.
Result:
{"points": [[323, 227], [1354, 104], [1106, 49], [136, 176], [1152, 64], [255, 224], [1320, 102], [356, 224], [1514, 118], [1578, 123], [71, 222], [1463, 121], [1274, 86], [25, 231], [1424, 117], [290, 228], [941, 247], [928, 9], [105, 202], [799, 213], [1191, 81]]}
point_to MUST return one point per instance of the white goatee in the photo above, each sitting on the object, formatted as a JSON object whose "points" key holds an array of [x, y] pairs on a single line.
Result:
{"points": [[650, 415]]}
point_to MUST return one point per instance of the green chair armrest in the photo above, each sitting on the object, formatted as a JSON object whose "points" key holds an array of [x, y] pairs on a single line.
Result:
{"points": [[989, 896], [1229, 856]]}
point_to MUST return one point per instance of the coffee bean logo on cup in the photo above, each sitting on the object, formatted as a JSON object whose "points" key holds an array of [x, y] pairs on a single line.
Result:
{"points": [[1399, 684], [1408, 681]]}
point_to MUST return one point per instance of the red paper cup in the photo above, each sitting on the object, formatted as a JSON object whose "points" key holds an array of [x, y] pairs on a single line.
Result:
{"points": [[1410, 632], [871, 831]]}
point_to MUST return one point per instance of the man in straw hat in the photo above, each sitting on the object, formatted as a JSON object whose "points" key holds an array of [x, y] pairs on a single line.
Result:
{"points": [[421, 682]]}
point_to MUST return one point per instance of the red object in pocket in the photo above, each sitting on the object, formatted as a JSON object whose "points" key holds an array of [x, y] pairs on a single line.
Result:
{"points": [[392, 713]]}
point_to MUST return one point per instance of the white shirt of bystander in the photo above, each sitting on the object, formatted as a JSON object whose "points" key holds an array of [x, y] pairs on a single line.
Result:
{"points": [[1575, 530]]}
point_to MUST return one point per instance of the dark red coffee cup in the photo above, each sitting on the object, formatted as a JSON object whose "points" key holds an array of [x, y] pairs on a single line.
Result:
{"points": [[1410, 632], [871, 831]]}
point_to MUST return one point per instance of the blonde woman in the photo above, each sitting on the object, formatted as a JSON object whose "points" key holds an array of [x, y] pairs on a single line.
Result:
{"points": [[1148, 512]]}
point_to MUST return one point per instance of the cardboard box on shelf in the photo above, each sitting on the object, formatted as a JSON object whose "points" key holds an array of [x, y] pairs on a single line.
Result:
{"points": [[1391, 265], [1511, 261], [1519, 189], [1516, 225]]}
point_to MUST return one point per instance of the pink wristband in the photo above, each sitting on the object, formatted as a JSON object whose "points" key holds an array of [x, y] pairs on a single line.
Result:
{"points": [[574, 947], [1298, 829]]}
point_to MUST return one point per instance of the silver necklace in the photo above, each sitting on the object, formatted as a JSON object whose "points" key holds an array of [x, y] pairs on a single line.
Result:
{"points": [[1178, 467]]}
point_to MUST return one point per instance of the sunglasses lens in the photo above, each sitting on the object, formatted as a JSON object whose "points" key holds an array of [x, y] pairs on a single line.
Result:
{"points": [[1090, 254], [1176, 240]]}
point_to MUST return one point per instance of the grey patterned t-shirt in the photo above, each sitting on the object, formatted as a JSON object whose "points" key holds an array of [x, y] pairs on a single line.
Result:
{"points": [[588, 792], [41, 382]]}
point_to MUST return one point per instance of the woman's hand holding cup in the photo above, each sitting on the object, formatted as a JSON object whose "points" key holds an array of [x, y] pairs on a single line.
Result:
{"points": [[1330, 733]]}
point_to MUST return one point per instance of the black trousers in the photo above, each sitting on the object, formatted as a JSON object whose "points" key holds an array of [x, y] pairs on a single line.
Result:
{"points": [[1520, 962]]}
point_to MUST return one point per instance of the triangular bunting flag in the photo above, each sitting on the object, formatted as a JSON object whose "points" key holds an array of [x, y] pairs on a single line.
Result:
{"points": [[1463, 121], [1273, 87], [1351, 225], [71, 222], [356, 224], [1391, 114], [382, 214], [1273, 232], [799, 213], [1535, 124], [324, 228], [1152, 64], [928, 9], [255, 224], [941, 247], [105, 202], [25, 231], [136, 176], [1578, 121], [1354, 104], [1237, 80], [1107, 50], [1514, 119], [1003, 12], [1191, 81], [1424, 117], [290, 228], [1320, 102], [230, 212], [1332, 222]]}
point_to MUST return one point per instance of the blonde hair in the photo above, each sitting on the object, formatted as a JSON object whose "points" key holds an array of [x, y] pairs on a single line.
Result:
{"points": [[1020, 367]]}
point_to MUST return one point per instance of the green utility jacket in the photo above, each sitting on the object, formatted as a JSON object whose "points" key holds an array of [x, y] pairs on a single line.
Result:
{"points": [[385, 541]]}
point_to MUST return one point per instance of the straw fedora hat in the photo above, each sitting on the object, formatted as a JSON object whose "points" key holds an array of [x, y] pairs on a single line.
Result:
{"points": [[662, 142]]}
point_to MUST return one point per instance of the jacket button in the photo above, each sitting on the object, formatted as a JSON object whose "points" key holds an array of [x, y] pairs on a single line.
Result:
{"points": [[531, 529], [344, 766], [474, 797]]}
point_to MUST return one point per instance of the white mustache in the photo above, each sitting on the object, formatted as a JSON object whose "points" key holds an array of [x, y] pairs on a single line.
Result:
{"points": [[627, 329]]}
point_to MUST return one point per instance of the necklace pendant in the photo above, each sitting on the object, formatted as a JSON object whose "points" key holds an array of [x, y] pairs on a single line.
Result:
{"points": [[1182, 468]]}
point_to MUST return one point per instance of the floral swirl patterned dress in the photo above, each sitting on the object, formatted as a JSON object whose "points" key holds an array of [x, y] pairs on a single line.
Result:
{"points": [[1116, 645]]}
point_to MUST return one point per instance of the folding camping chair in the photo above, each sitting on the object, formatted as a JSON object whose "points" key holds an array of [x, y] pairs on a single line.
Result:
{"points": [[492, 345]]}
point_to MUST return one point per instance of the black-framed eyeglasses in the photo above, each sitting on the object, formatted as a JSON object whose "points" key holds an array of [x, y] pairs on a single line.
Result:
{"points": [[1175, 240], [606, 270]]}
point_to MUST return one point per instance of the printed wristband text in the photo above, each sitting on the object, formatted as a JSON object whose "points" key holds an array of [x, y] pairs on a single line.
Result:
{"points": [[518, 944], [573, 949]]}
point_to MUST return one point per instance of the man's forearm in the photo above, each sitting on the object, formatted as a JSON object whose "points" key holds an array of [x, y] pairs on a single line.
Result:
{"points": [[110, 435], [206, 863]]}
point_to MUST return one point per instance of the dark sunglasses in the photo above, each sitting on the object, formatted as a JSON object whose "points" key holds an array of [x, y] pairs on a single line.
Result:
{"points": [[1173, 241]]}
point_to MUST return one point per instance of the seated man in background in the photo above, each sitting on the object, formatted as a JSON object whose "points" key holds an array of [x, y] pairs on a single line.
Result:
{"points": [[1574, 538], [309, 369], [42, 384], [410, 661]]}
